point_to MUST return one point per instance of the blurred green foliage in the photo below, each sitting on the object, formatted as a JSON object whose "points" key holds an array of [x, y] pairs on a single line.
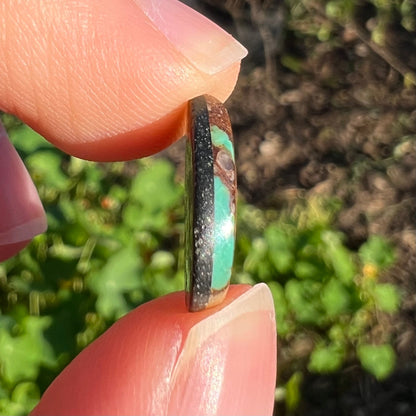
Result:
{"points": [[327, 296], [115, 241], [376, 21], [306, 16]]}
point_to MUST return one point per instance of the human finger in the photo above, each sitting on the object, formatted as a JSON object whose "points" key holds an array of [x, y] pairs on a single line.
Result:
{"points": [[161, 359], [107, 79], [21, 212]]}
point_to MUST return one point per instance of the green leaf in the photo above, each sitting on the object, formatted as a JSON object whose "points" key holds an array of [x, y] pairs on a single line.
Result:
{"points": [[259, 248], [336, 334], [161, 276], [284, 326], [339, 10], [379, 360], [303, 298], [21, 400], [376, 250], [137, 218], [119, 276], [282, 260], [27, 394], [75, 234], [292, 62], [280, 249], [155, 188], [161, 283], [9, 408], [326, 358], [257, 262], [153, 196], [27, 140], [293, 394], [339, 257], [307, 270], [386, 297], [22, 356], [45, 166], [162, 260], [335, 298]]}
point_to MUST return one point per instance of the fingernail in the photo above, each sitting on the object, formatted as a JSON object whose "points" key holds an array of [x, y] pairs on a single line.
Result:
{"points": [[202, 42], [21, 212], [230, 358], [23, 232]]}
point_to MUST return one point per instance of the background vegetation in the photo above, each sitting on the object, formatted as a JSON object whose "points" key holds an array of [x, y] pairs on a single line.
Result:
{"points": [[312, 219]]}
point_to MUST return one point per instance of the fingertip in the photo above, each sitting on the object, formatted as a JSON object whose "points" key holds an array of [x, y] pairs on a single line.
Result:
{"points": [[162, 359], [21, 212], [100, 80], [208, 47], [9, 250], [230, 360]]}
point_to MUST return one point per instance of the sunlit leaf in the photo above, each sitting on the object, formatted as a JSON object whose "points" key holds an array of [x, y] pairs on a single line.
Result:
{"points": [[45, 166], [120, 275], [303, 298], [307, 270], [335, 298], [376, 250], [22, 355], [154, 187], [293, 393], [27, 140], [339, 257], [387, 297], [280, 249], [326, 358], [377, 359], [281, 308]]}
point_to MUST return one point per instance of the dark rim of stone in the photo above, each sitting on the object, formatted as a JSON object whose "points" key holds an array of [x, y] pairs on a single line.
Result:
{"points": [[200, 206]]}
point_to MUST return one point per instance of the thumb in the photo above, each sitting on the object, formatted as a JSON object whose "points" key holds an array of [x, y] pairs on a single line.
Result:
{"points": [[108, 79], [162, 360]]}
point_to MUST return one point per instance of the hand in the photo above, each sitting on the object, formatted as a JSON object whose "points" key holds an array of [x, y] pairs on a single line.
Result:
{"points": [[108, 80], [161, 359]]}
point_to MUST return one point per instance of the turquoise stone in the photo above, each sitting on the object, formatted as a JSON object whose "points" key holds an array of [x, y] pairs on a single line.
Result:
{"points": [[210, 204], [220, 138], [224, 236]]}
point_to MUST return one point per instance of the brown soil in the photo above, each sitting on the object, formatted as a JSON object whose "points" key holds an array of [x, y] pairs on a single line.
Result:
{"points": [[339, 122]]}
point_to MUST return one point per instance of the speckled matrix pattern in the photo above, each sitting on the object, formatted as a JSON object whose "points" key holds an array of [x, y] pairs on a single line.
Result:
{"points": [[210, 204]]}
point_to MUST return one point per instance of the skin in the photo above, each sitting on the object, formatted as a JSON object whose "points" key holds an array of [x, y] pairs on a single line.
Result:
{"points": [[117, 81], [109, 80], [162, 360]]}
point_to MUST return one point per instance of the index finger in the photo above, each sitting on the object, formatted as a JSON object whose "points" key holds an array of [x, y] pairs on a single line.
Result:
{"points": [[107, 80]]}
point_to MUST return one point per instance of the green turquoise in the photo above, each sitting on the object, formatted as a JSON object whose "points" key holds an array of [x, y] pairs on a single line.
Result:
{"points": [[223, 236], [220, 138]]}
